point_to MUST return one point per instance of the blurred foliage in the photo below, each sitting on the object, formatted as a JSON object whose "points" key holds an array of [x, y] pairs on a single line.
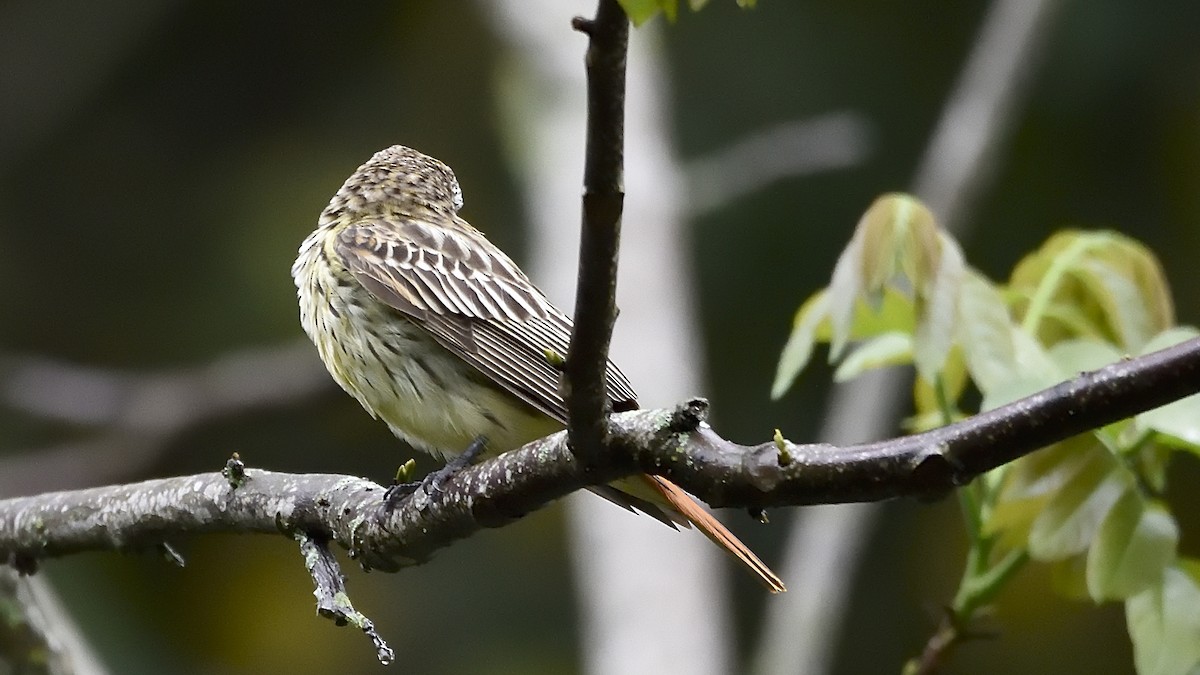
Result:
{"points": [[160, 163], [641, 11], [1092, 505]]}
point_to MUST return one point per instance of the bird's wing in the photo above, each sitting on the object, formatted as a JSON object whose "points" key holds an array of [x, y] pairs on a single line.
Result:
{"points": [[474, 301]]}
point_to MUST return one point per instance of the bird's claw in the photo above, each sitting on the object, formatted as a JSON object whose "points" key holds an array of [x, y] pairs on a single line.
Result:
{"points": [[432, 483]]}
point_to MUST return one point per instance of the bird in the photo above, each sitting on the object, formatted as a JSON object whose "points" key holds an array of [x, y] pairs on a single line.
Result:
{"points": [[441, 336]]}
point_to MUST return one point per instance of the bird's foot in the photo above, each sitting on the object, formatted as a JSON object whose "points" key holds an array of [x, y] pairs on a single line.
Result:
{"points": [[433, 481]]}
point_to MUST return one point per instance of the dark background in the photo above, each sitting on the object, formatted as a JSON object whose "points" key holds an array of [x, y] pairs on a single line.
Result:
{"points": [[160, 163]]}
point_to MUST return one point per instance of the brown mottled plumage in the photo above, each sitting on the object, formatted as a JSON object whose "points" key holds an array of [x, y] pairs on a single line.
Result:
{"points": [[439, 334]]}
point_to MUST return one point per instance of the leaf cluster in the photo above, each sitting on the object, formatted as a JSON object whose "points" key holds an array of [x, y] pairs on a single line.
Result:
{"points": [[1091, 506], [641, 11]]}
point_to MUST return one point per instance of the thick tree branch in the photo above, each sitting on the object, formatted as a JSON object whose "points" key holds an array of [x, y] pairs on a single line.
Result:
{"points": [[676, 444], [603, 202]]}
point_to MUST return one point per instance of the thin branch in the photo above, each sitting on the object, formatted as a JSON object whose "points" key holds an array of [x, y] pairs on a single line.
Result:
{"points": [[676, 444], [603, 202]]}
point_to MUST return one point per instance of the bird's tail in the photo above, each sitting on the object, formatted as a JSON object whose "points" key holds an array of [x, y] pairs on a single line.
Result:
{"points": [[689, 508], [668, 503]]}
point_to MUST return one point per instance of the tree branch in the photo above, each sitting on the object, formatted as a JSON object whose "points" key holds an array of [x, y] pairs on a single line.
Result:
{"points": [[676, 444], [603, 202]]}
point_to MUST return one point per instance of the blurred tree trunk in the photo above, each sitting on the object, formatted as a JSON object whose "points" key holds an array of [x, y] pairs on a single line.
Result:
{"points": [[652, 600]]}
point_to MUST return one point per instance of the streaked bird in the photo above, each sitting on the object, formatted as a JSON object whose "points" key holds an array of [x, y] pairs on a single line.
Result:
{"points": [[439, 334]]}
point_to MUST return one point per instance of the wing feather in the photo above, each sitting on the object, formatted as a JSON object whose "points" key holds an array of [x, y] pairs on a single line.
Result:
{"points": [[475, 302]]}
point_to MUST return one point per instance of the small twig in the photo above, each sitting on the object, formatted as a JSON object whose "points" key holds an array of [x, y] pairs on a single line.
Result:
{"points": [[333, 602], [936, 650]]}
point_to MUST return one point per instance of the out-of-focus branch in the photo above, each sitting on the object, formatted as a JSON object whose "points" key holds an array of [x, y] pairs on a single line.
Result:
{"points": [[161, 401], [788, 150], [139, 412], [37, 635], [978, 116]]}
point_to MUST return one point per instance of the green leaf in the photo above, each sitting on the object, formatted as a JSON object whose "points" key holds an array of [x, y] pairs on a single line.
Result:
{"points": [[936, 326], [1179, 420], [1164, 624], [1072, 516], [812, 324], [892, 311], [1068, 577], [985, 332], [1128, 279], [1134, 545], [844, 289], [1043, 276], [889, 349], [929, 400], [1115, 281], [896, 234], [799, 347], [1032, 372], [1075, 356], [899, 235], [641, 11], [1028, 483]]}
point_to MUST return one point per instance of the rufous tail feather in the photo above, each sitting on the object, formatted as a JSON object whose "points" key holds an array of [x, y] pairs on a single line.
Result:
{"points": [[715, 531]]}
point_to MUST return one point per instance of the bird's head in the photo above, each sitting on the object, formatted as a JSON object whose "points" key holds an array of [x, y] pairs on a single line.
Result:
{"points": [[400, 181]]}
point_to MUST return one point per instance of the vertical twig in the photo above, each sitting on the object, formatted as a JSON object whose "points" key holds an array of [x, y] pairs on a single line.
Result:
{"points": [[603, 201]]}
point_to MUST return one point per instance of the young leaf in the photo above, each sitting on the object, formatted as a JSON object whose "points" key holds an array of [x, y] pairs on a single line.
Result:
{"points": [[1179, 420], [641, 11], [844, 289], [939, 309], [1073, 515], [1027, 484], [899, 234], [1114, 280], [1164, 624], [889, 349], [985, 332], [1075, 356], [812, 325], [798, 349], [930, 397], [1134, 545], [1133, 277]]}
